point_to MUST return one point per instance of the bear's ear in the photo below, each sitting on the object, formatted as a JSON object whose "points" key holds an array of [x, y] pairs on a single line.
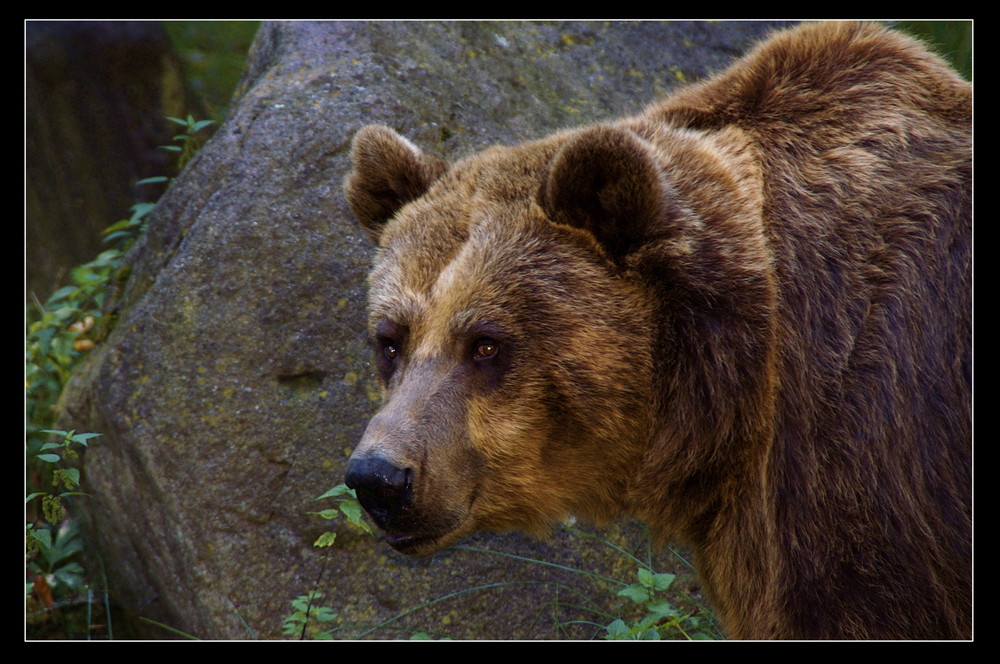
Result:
{"points": [[607, 181], [389, 172]]}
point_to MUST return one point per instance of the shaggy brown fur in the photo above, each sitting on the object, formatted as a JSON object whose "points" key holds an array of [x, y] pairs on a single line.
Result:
{"points": [[742, 316]]}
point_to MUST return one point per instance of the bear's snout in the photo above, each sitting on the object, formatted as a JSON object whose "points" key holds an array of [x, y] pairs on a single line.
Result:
{"points": [[382, 489]]}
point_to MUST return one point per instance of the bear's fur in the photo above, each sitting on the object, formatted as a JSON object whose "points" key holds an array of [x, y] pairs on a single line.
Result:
{"points": [[743, 316]]}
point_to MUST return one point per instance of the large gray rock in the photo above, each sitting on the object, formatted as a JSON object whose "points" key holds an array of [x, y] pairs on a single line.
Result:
{"points": [[236, 378]]}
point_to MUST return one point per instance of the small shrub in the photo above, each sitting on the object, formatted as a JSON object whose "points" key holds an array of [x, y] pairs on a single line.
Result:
{"points": [[58, 334], [307, 618]]}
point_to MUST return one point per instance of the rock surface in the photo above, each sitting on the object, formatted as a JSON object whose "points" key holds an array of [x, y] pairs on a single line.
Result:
{"points": [[237, 377]]}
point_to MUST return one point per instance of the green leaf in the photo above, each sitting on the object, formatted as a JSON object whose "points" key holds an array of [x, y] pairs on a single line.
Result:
{"points": [[618, 630], [50, 458], [661, 582], [154, 180], [117, 226], [43, 536], [73, 474], [322, 613], [635, 592], [63, 292], [140, 210], [116, 236], [337, 491], [645, 577], [70, 574], [82, 438], [326, 539], [351, 510], [66, 543], [661, 608]]}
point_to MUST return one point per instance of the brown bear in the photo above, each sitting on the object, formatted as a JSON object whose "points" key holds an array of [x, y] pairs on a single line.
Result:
{"points": [[743, 317]]}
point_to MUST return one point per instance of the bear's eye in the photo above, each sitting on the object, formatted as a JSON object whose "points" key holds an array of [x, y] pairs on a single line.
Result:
{"points": [[390, 352], [485, 349]]}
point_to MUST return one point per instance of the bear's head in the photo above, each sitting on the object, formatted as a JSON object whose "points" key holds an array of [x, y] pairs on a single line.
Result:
{"points": [[514, 336]]}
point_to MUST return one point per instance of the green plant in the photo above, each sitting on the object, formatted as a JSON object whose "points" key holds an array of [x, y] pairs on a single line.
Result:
{"points": [[303, 621], [347, 506], [58, 334], [126, 231], [53, 541], [189, 142], [661, 619]]}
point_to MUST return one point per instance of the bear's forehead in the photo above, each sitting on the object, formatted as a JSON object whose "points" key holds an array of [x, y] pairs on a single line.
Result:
{"points": [[505, 276], [448, 272]]}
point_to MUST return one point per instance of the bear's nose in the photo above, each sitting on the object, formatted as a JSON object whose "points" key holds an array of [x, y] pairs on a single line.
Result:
{"points": [[382, 489]]}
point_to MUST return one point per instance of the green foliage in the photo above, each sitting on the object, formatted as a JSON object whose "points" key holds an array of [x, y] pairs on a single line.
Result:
{"points": [[52, 542], [188, 141], [661, 618], [302, 623], [63, 329], [55, 548], [126, 231], [58, 334], [307, 618], [347, 506]]}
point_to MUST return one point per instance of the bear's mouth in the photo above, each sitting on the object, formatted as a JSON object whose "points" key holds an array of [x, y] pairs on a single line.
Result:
{"points": [[426, 538], [417, 545], [411, 545]]}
